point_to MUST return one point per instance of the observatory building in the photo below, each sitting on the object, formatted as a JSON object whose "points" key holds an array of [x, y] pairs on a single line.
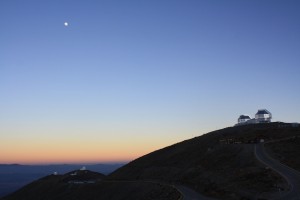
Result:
{"points": [[243, 118], [262, 116]]}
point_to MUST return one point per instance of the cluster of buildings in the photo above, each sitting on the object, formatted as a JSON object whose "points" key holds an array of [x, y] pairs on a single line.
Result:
{"points": [[262, 116]]}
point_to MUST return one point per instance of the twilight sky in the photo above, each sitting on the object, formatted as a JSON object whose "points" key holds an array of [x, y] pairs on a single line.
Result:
{"points": [[129, 77]]}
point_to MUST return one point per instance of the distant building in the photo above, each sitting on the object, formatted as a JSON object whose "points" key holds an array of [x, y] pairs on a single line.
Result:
{"points": [[74, 174], [243, 118], [262, 116]]}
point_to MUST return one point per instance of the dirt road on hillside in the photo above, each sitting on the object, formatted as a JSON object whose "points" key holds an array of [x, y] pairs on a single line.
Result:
{"points": [[291, 175]]}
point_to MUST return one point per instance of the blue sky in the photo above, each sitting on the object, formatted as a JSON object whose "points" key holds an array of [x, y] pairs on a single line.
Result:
{"points": [[159, 71]]}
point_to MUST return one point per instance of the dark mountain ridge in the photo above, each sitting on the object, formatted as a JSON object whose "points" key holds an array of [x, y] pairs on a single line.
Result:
{"points": [[88, 185], [219, 164], [15, 176]]}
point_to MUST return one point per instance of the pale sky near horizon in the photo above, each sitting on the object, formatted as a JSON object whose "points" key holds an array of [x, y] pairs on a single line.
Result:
{"points": [[125, 78]]}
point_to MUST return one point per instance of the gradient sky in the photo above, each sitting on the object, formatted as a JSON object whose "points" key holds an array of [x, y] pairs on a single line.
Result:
{"points": [[129, 77]]}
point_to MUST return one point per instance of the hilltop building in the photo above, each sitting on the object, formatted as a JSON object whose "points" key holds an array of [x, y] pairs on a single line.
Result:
{"points": [[243, 118], [262, 116]]}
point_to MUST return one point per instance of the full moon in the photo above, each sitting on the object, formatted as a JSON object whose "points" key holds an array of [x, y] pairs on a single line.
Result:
{"points": [[66, 24]]}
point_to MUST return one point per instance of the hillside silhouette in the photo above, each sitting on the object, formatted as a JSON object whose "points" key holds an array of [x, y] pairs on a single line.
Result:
{"points": [[88, 185], [15, 176], [220, 164]]}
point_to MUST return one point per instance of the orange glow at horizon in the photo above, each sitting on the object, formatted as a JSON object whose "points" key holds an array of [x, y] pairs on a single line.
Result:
{"points": [[41, 151], [72, 155], [85, 154], [57, 143]]}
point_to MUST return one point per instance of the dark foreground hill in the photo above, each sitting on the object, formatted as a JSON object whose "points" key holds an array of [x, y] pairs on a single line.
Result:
{"points": [[287, 151], [220, 164], [14, 176], [88, 185]]}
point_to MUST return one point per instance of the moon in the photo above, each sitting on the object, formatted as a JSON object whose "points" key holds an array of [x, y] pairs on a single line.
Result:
{"points": [[66, 24]]}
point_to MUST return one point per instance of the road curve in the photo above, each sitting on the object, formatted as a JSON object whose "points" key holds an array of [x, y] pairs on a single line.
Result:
{"points": [[291, 175], [189, 194]]}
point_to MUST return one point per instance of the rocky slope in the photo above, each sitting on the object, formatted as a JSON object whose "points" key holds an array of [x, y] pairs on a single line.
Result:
{"points": [[220, 164]]}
